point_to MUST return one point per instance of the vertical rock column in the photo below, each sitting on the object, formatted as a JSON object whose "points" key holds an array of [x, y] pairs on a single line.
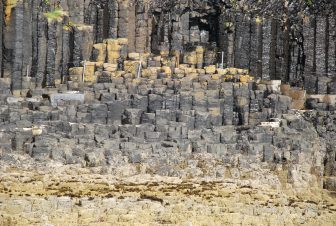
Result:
{"points": [[230, 27], [256, 47], [132, 27], [226, 39], [83, 43], [17, 66], [99, 31], [309, 43], [267, 39], [76, 11], [149, 30], [123, 19], [321, 48], [226, 94], [28, 39], [273, 50], [113, 19], [51, 53], [242, 42], [2, 25], [42, 26], [35, 12], [177, 36], [332, 44], [66, 45], [185, 27], [279, 60]]}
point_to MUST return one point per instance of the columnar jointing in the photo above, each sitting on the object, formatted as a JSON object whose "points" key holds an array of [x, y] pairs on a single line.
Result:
{"points": [[300, 52]]}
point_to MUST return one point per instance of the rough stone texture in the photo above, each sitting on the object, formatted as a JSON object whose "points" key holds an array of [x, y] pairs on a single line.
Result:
{"points": [[179, 133], [59, 197]]}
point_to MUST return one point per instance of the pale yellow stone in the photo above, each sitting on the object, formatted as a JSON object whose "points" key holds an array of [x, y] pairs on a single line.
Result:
{"points": [[211, 69], [232, 71], [101, 51], [216, 77], [200, 71], [123, 41], [166, 70], [89, 73], [221, 71], [134, 56]]}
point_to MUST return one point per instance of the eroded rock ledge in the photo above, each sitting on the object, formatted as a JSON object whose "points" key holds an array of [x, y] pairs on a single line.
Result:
{"points": [[59, 195]]}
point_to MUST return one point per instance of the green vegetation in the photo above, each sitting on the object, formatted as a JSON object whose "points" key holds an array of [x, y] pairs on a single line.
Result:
{"points": [[56, 14]]}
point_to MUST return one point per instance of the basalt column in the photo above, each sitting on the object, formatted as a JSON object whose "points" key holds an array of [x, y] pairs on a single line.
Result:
{"points": [[113, 18], [242, 42], [279, 55], [28, 39], [2, 25], [66, 46], [123, 19], [17, 66], [227, 39], [141, 30], [255, 47], [321, 48], [132, 27], [309, 32], [332, 44], [51, 53], [76, 11], [83, 43], [266, 44], [42, 26]]}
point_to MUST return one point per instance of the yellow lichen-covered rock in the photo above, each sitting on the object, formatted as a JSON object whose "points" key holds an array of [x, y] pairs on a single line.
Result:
{"points": [[211, 69], [113, 50], [89, 72], [122, 41], [228, 77], [221, 71], [146, 73], [99, 64], [113, 57], [166, 70], [200, 49], [245, 78], [110, 67], [216, 76], [76, 71], [134, 56], [200, 71], [242, 71], [190, 70], [191, 58], [112, 44], [183, 66], [131, 66], [154, 69], [99, 52], [118, 74], [232, 71]]}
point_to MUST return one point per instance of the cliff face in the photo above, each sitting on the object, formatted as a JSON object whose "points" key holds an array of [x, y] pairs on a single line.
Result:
{"points": [[43, 39], [112, 110]]}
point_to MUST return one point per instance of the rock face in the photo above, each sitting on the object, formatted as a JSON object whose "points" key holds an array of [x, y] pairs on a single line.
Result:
{"points": [[110, 110], [60, 34]]}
